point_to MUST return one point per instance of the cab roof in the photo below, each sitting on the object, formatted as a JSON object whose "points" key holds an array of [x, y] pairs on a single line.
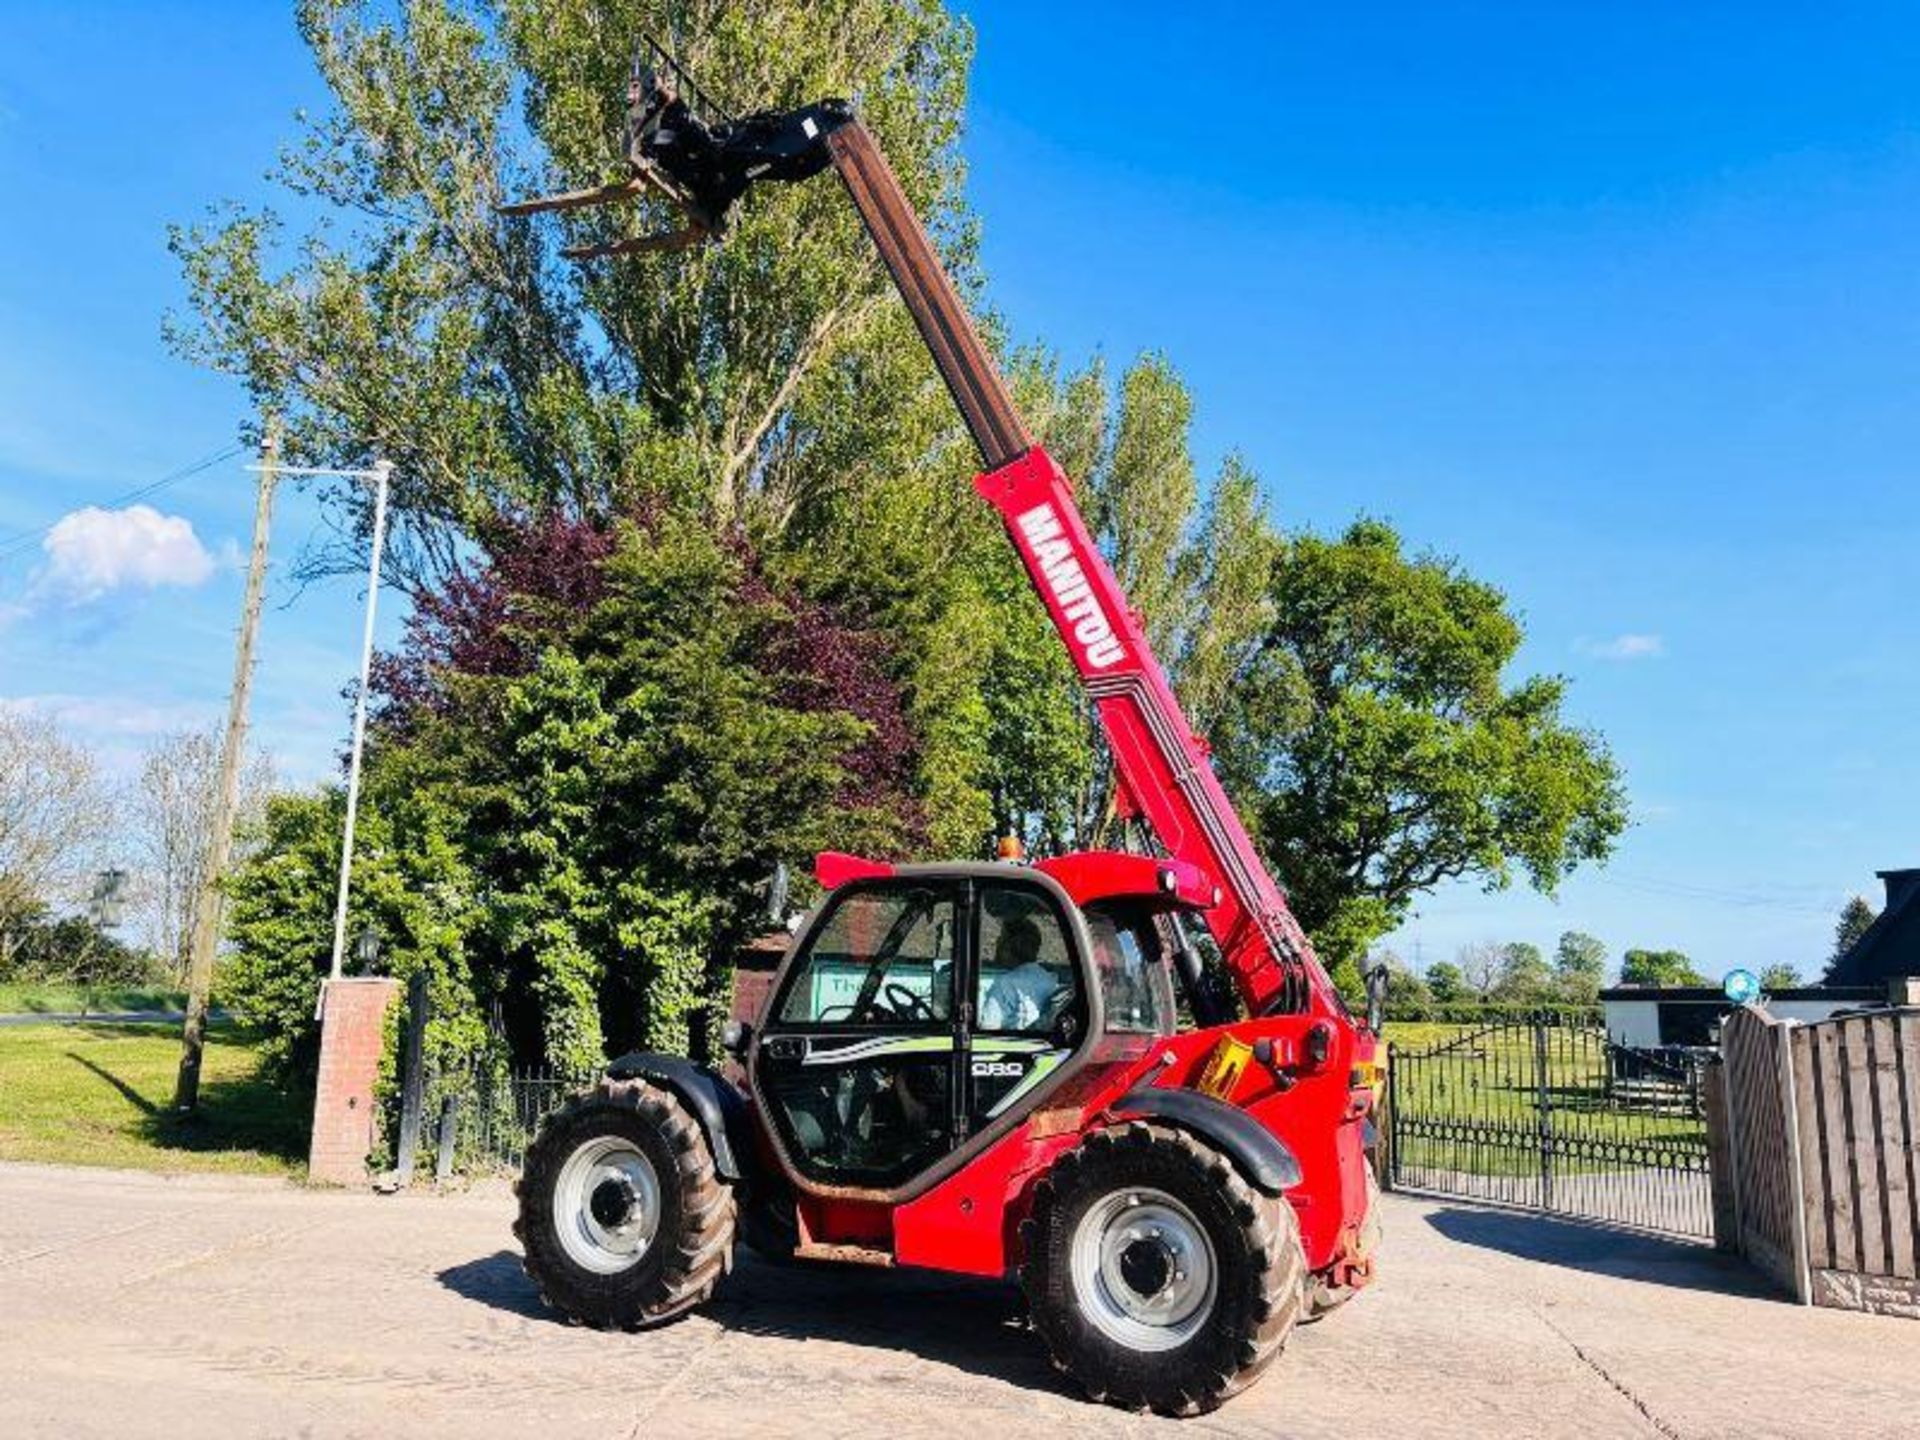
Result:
{"points": [[1088, 876]]}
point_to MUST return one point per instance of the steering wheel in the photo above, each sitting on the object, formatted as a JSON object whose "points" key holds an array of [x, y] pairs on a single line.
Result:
{"points": [[904, 1004]]}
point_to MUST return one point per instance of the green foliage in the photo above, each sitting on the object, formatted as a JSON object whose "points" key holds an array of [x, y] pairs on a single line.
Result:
{"points": [[1780, 977], [1856, 917], [572, 847], [410, 888], [1447, 983], [37, 946], [1580, 966], [1524, 977], [1659, 967], [1409, 996], [743, 380], [1373, 739]]}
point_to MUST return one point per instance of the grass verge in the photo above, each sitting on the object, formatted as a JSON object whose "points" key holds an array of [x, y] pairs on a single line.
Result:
{"points": [[82, 1094], [19, 998]]}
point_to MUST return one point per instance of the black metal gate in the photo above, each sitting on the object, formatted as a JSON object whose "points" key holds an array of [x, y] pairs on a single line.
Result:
{"points": [[1549, 1114]]}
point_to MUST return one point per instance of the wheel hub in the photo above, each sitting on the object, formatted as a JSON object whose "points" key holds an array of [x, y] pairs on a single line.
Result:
{"points": [[1146, 1266], [1143, 1269], [606, 1205], [612, 1201]]}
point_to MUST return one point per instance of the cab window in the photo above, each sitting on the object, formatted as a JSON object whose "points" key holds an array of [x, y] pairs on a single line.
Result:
{"points": [[1026, 974], [1136, 989], [884, 959]]}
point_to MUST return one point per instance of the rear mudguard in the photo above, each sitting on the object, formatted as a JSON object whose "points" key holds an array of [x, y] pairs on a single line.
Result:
{"points": [[713, 1101], [1256, 1152]]}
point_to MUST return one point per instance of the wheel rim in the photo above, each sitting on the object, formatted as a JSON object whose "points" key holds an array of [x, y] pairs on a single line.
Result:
{"points": [[1143, 1269], [606, 1205]]}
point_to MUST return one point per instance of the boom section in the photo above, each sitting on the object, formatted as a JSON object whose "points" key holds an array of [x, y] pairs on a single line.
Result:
{"points": [[1160, 763]]}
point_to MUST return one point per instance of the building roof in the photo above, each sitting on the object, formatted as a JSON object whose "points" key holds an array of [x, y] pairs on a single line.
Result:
{"points": [[1712, 994], [1891, 945]]}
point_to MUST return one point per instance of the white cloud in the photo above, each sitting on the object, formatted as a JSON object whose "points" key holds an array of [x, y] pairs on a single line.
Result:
{"points": [[93, 551], [1624, 647], [111, 715]]}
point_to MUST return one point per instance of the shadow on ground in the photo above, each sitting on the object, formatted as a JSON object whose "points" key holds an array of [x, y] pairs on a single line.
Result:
{"points": [[235, 1113], [976, 1326], [1599, 1250]]}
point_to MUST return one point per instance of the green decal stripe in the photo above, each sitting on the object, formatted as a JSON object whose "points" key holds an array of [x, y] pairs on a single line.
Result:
{"points": [[1042, 1068]]}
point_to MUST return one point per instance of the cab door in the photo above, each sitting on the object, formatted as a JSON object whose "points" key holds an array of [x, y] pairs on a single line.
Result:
{"points": [[1028, 1008], [859, 1064]]}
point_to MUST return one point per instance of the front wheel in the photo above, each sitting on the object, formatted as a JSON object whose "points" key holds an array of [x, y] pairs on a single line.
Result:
{"points": [[624, 1222], [1158, 1277]]}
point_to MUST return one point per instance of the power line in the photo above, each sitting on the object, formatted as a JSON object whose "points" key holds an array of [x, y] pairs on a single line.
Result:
{"points": [[22, 541], [1739, 899]]}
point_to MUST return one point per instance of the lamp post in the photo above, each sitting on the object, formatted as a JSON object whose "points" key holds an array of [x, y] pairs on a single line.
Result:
{"points": [[380, 473], [366, 950], [105, 908]]}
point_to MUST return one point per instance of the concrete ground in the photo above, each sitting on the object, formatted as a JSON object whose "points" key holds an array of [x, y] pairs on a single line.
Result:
{"points": [[135, 1305]]}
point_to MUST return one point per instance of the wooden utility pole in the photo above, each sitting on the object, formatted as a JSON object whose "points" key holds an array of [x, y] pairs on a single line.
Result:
{"points": [[206, 905]]}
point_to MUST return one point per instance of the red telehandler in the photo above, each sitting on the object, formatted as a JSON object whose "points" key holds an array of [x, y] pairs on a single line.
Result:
{"points": [[983, 1067]]}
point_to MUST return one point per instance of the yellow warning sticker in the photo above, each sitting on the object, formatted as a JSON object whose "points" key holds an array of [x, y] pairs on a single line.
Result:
{"points": [[1224, 1067]]}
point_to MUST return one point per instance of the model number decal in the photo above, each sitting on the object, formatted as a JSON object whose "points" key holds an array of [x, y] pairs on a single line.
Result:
{"points": [[997, 1069]]}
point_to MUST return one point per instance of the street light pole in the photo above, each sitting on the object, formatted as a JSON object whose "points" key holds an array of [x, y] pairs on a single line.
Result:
{"points": [[382, 469]]}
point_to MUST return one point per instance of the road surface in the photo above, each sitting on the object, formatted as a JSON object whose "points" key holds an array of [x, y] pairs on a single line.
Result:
{"points": [[136, 1305]]}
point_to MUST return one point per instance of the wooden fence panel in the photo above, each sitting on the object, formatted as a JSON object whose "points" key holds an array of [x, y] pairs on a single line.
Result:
{"points": [[1813, 1186], [1890, 1126], [1836, 1157], [1906, 1030], [1863, 1148]]}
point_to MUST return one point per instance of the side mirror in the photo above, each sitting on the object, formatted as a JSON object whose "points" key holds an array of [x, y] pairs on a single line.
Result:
{"points": [[735, 1037], [1377, 979]]}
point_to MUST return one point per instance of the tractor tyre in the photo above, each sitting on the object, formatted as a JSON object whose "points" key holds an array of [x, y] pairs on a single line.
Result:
{"points": [[1157, 1276], [623, 1220], [1322, 1298]]}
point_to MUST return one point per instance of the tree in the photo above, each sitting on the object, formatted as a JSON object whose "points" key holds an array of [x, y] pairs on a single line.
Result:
{"points": [[1855, 918], [54, 816], [1780, 977], [1579, 967], [1447, 983], [170, 812], [72, 949], [1659, 967], [752, 382], [586, 754], [1524, 978], [1379, 749], [1481, 965]]}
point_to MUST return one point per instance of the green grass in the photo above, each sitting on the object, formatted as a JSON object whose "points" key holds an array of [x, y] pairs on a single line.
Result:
{"points": [[48, 998], [80, 1094]]}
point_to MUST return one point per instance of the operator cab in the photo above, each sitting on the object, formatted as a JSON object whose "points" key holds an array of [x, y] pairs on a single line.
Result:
{"points": [[926, 1010]]}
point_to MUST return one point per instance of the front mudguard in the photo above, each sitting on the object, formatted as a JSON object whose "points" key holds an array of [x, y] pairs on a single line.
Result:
{"points": [[1261, 1157], [713, 1100]]}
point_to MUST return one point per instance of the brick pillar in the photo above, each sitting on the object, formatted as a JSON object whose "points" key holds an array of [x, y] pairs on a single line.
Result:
{"points": [[352, 1033]]}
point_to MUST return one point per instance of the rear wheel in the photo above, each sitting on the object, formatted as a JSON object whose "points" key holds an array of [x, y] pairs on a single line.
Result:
{"points": [[623, 1219], [1157, 1276]]}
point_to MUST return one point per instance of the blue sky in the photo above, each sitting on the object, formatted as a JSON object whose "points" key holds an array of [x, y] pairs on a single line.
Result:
{"points": [[1615, 304]]}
